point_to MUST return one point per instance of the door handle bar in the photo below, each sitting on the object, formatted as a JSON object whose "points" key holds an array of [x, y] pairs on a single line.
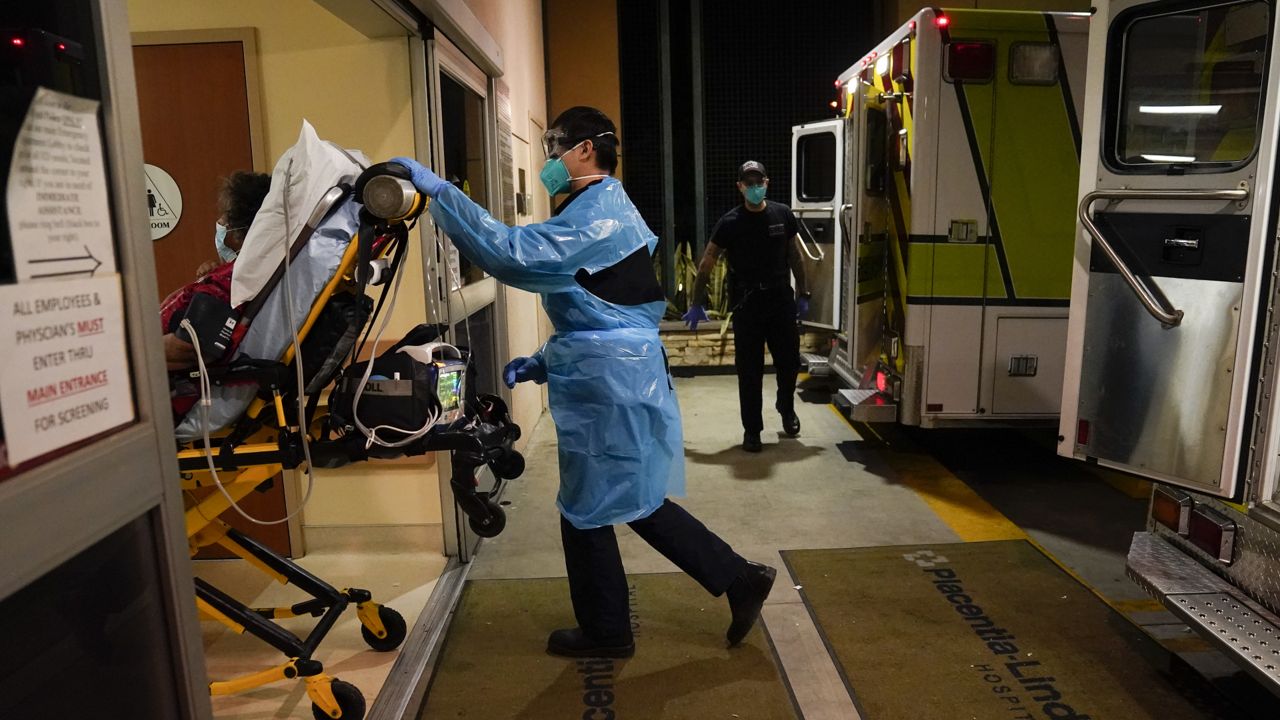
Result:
{"points": [[1145, 289], [816, 258]]}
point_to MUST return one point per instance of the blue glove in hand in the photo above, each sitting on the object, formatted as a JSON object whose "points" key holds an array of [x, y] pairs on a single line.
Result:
{"points": [[696, 314], [522, 369], [802, 307], [426, 181]]}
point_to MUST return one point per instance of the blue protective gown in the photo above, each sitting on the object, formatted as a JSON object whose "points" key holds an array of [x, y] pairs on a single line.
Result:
{"points": [[611, 395]]}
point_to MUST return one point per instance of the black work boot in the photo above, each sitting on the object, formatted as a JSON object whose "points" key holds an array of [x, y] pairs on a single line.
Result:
{"points": [[574, 643], [751, 442], [746, 596], [791, 423]]}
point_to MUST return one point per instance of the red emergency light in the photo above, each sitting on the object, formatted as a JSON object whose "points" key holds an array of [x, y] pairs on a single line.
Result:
{"points": [[1213, 533], [941, 21], [1172, 509], [62, 46], [882, 381], [970, 61], [18, 42]]}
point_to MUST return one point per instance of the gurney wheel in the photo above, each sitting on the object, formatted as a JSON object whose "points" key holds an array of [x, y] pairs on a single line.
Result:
{"points": [[395, 626], [350, 701], [491, 526], [510, 466]]}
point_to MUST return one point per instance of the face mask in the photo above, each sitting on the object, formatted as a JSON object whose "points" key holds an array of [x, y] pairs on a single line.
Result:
{"points": [[755, 194], [220, 242], [555, 176]]}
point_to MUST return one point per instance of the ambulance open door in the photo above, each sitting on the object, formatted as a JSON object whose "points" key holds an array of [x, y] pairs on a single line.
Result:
{"points": [[817, 168], [1175, 259]]}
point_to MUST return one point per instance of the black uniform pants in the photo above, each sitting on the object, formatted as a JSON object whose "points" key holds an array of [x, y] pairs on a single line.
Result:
{"points": [[765, 317], [598, 583]]}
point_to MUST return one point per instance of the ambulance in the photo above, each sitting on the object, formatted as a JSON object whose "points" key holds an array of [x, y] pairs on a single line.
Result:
{"points": [[938, 219], [1174, 333]]}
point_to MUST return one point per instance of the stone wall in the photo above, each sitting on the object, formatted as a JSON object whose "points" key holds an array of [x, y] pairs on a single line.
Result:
{"points": [[707, 348]]}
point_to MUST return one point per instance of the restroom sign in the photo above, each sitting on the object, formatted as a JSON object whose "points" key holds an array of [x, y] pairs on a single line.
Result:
{"points": [[164, 202]]}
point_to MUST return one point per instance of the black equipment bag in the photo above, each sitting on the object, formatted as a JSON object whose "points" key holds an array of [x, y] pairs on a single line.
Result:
{"points": [[401, 392]]}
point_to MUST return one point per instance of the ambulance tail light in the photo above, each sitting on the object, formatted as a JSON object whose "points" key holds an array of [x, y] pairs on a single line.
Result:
{"points": [[1172, 509], [970, 61], [1082, 432], [1213, 533]]}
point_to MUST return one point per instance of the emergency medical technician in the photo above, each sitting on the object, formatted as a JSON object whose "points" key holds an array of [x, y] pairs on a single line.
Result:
{"points": [[621, 445], [763, 243]]}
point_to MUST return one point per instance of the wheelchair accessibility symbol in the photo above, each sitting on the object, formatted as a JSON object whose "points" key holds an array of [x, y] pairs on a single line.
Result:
{"points": [[164, 202]]}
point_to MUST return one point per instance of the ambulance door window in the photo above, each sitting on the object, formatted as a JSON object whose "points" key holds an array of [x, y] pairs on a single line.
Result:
{"points": [[817, 156], [1189, 91]]}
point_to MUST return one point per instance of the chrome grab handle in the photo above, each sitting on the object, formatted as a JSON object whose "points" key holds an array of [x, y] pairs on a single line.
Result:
{"points": [[816, 258], [1148, 293]]}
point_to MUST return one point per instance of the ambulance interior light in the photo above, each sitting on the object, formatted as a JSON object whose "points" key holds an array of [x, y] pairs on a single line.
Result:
{"points": [[1180, 109]]}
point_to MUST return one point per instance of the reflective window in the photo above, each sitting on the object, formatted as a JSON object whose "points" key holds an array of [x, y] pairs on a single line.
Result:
{"points": [[462, 121], [1191, 87], [817, 157]]}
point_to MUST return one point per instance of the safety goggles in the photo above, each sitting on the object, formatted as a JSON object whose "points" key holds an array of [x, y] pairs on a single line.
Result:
{"points": [[555, 142]]}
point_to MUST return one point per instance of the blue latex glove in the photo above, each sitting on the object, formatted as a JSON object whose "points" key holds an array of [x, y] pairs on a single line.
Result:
{"points": [[802, 307], [426, 181], [522, 369], [696, 314]]}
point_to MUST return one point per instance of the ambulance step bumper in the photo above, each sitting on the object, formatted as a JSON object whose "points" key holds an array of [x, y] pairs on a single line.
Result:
{"points": [[816, 365], [868, 406], [1244, 631]]}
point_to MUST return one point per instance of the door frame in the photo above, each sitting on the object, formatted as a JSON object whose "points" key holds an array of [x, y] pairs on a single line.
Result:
{"points": [[248, 39], [429, 56], [833, 207]]}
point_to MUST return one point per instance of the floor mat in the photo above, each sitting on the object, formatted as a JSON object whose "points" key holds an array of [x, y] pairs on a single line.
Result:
{"points": [[494, 662], [979, 630]]}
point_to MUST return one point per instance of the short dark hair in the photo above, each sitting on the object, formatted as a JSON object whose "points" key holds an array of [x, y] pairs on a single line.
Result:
{"points": [[587, 123], [239, 197]]}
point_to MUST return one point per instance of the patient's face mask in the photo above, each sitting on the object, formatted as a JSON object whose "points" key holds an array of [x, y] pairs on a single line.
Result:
{"points": [[220, 242]]}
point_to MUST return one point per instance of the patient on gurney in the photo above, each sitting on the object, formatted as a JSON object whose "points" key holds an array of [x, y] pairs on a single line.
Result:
{"points": [[239, 198]]}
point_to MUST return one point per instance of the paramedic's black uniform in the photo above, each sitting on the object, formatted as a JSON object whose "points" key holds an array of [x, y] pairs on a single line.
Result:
{"points": [[597, 580], [764, 304]]}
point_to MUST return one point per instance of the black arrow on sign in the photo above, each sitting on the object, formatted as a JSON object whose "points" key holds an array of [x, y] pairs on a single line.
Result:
{"points": [[88, 255]]}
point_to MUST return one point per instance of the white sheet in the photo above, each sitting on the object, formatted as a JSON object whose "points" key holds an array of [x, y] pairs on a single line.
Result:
{"points": [[312, 166]]}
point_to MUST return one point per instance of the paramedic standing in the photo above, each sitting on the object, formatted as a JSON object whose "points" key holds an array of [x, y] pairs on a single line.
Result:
{"points": [[763, 243], [621, 445]]}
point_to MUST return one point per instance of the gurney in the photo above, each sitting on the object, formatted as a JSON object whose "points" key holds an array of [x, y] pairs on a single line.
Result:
{"points": [[250, 424]]}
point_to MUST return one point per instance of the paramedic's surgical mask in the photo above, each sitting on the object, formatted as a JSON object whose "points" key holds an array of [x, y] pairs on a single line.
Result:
{"points": [[220, 242], [754, 193], [555, 176]]}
